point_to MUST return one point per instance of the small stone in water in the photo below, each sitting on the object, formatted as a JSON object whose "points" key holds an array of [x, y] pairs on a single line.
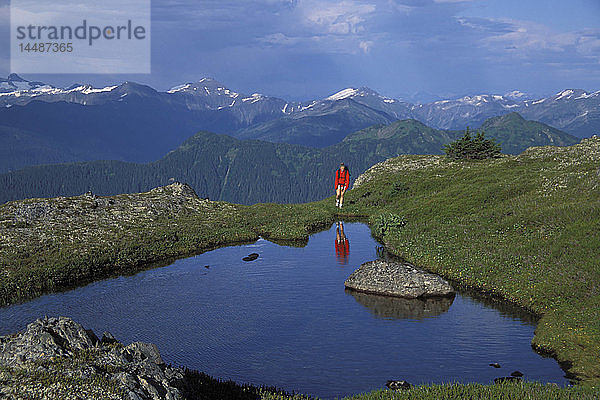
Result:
{"points": [[250, 257], [207, 266], [398, 384], [495, 365], [517, 374]]}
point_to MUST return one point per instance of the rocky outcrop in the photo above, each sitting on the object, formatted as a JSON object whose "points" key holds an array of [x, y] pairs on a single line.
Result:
{"points": [[57, 358], [156, 201], [84, 238], [390, 278]]}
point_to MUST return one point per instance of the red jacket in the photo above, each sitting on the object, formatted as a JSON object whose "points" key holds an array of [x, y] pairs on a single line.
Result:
{"points": [[342, 249], [342, 179]]}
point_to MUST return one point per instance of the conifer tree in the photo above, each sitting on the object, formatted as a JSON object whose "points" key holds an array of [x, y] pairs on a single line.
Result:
{"points": [[473, 148]]}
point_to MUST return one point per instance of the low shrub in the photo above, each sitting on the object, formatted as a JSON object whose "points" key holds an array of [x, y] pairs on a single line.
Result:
{"points": [[385, 223]]}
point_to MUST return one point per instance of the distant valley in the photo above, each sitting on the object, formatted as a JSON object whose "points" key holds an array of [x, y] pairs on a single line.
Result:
{"points": [[222, 167]]}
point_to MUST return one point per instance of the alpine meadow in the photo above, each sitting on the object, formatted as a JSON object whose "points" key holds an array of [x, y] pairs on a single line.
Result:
{"points": [[300, 200]]}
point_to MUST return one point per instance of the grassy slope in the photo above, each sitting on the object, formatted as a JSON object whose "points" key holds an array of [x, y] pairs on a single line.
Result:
{"points": [[515, 133], [524, 228]]}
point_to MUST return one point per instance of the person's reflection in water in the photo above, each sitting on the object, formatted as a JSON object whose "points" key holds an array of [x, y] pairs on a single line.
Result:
{"points": [[342, 245]]}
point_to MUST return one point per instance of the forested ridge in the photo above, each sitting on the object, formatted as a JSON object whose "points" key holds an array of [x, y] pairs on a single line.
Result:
{"points": [[221, 167]]}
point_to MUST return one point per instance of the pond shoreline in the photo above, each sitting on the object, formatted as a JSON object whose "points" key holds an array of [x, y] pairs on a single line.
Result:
{"points": [[496, 297], [313, 226], [196, 265]]}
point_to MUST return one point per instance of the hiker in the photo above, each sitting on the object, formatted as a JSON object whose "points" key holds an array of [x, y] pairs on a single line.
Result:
{"points": [[342, 181], [342, 246]]}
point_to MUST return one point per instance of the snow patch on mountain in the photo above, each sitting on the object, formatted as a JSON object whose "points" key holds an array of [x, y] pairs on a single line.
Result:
{"points": [[474, 100], [565, 94], [308, 106], [515, 95], [88, 89], [51, 90], [585, 95], [343, 94], [254, 97], [179, 88]]}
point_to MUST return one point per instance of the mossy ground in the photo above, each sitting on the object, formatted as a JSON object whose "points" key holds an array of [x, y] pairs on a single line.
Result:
{"points": [[522, 228], [77, 242]]}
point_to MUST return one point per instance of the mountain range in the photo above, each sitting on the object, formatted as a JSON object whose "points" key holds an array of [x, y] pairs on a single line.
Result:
{"points": [[42, 124], [222, 167]]}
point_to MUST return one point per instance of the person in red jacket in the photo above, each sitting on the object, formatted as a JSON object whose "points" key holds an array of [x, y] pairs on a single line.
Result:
{"points": [[342, 181]]}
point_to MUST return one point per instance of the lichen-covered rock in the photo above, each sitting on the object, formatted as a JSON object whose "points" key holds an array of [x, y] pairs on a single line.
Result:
{"points": [[57, 358], [390, 278], [47, 337]]}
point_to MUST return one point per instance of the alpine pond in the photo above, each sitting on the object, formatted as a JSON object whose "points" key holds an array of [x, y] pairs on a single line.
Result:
{"points": [[285, 319]]}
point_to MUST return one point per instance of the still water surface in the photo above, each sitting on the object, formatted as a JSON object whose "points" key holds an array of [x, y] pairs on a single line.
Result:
{"points": [[286, 320]]}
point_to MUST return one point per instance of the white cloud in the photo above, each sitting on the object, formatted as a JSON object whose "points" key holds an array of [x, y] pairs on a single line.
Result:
{"points": [[345, 17], [530, 36], [280, 39], [588, 43], [365, 45], [324, 26], [532, 40], [401, 7]]}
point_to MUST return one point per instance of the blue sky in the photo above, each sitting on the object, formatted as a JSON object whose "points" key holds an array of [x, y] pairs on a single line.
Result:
{"points": [[300, 49]]}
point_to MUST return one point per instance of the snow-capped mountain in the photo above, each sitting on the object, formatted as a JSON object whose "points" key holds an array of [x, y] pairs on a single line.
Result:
{"points": [[517, 95], [15, 83], [209, 94], [396, 108], [468, 110], [84, 94], [573, 110]]}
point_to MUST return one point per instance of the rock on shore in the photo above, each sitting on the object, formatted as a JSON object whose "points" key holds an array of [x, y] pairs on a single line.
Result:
{"points": [[390, 278], [56, 358]]}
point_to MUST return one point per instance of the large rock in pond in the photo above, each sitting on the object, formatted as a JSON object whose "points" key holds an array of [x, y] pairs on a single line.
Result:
{"points": [[390, 278]]}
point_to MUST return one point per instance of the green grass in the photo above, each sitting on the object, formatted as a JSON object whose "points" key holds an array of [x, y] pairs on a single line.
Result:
{"points": [[44, 384], [521, 228], [525, 229], [473, 391]]}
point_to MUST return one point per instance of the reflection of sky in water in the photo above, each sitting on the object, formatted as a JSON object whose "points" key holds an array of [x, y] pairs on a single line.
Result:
{"points": [[286, 320]]}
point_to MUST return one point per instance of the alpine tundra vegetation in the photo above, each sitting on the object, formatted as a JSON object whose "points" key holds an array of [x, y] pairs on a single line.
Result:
{"points": [[521, 228]]}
